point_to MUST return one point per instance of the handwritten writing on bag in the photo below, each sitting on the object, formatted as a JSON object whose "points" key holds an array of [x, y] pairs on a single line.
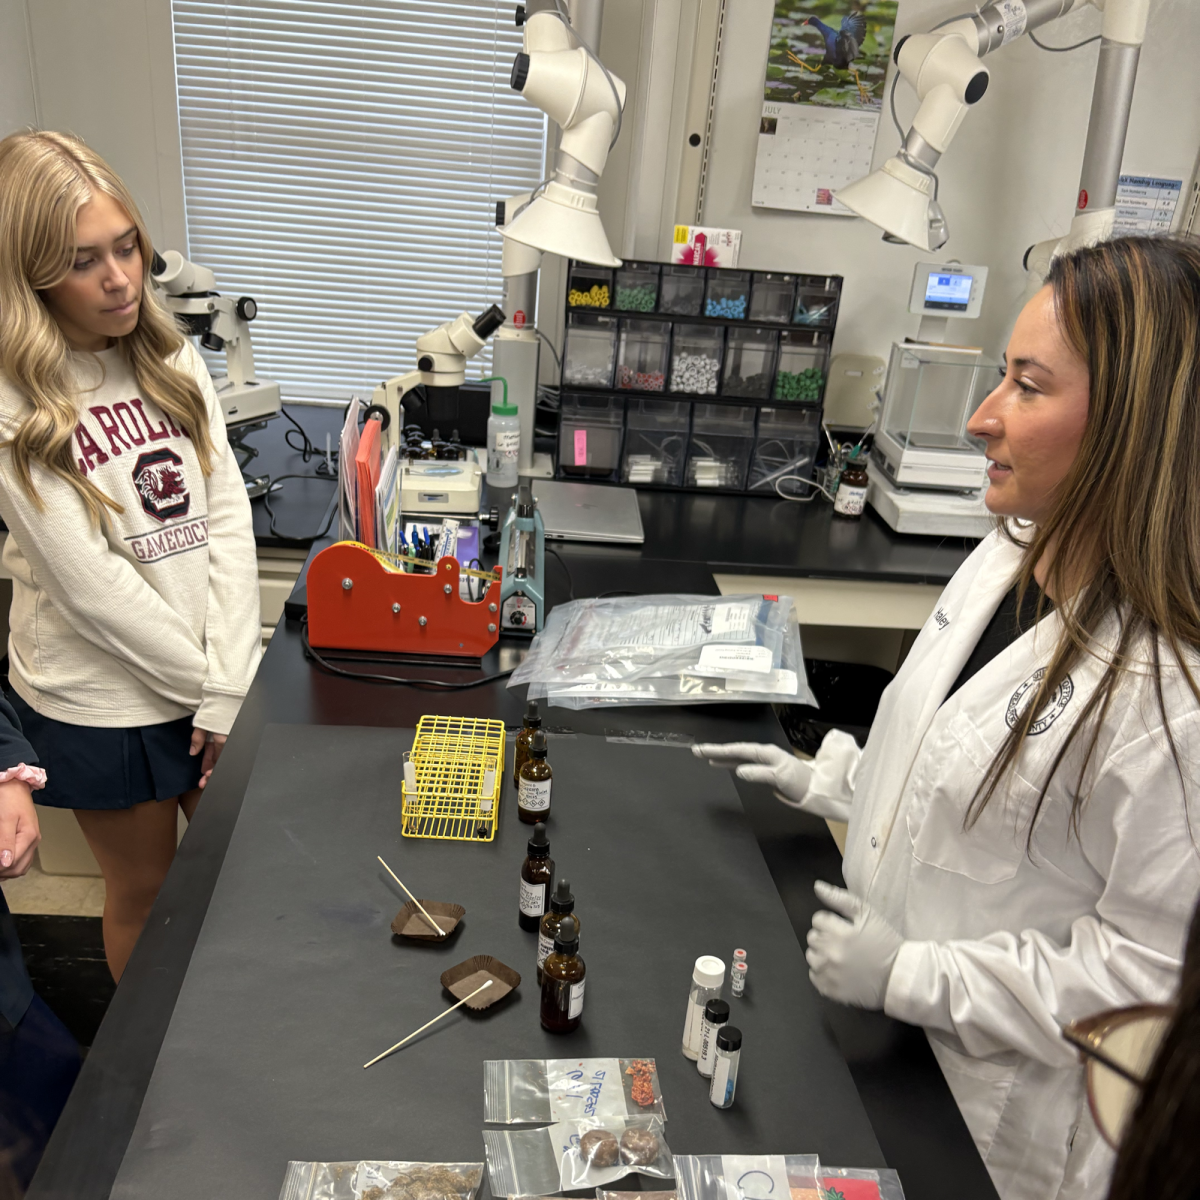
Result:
{"points": [[585, 1088]]}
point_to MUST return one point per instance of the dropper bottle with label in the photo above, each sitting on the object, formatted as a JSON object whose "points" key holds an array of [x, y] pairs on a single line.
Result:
{"points": [[563, 981], [561, 903], [534, 782], [533, 720], [537, 875]]}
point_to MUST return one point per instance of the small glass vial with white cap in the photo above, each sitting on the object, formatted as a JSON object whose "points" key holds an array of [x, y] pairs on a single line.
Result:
{"points": [[725, 1067], [707, 978]]}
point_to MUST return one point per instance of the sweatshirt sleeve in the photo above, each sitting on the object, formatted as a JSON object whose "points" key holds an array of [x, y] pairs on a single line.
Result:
{"points": [[1014, 991], [107, 602], [233, 622]]}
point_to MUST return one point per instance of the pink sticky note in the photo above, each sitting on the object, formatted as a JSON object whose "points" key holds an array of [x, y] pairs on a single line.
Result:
{"points": [[581, 447]]}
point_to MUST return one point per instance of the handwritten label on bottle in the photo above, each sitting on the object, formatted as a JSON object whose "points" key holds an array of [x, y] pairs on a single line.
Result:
{"points": [[533, 795], [533, 898]]}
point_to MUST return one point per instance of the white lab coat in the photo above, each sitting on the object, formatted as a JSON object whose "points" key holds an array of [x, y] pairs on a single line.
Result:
{"points": [[1003, 947]]}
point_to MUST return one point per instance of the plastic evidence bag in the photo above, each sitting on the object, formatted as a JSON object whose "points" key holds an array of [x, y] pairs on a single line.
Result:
{"points": [[854, 1183], [533, 1091], [669, 649], [562, 1157], [380, 1180], [748, 1176]]}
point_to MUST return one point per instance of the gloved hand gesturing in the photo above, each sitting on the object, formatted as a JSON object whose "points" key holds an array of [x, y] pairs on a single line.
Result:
{"points": [[790, 776], [850, 950]]}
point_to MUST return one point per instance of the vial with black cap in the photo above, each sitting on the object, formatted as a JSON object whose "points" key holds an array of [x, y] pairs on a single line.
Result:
{"points": [[716, 1013], [725, 1067]]}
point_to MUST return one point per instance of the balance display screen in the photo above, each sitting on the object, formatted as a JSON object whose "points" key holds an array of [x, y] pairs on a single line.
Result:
{"points": [[949, 292]]}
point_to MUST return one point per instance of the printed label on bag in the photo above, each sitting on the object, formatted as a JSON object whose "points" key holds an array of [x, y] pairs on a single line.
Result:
{"points": [[533, 898], [731, 620], [576, 1003], [533, 795], [587, 1087], [734, 660]]}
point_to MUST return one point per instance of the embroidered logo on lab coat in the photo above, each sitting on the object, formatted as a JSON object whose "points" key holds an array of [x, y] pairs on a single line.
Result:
{"points": [[1053, 710]]}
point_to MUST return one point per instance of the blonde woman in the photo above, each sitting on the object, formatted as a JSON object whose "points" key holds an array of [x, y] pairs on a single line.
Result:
{"points": [[1023, 847], [134, 631]]}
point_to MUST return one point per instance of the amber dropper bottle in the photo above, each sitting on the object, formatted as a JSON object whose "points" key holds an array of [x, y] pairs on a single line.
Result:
{"points": [[563, 980], [533, 720], [533, 787]]}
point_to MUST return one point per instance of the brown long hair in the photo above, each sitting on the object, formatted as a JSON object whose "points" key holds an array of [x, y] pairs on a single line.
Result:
{"points": [[1124, 527], [45, 178]]}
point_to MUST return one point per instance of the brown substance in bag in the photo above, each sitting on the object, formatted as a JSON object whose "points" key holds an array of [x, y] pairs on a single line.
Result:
{"points": [[639, 1147], [426, 1183], [598, 1148]]}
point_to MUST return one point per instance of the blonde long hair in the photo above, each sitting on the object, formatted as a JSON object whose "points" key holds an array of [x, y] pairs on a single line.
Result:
{"points": [[1126, 519], [45, 178]]}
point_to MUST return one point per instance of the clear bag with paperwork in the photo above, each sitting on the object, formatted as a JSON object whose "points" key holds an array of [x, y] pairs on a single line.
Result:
{"points": [[373, 1179], [534, 1091], [669, 649], [570, 1155], [748, 1176]]}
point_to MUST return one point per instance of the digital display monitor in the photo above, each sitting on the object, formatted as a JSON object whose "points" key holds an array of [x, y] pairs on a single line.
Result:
{"points": [[952, 293]]}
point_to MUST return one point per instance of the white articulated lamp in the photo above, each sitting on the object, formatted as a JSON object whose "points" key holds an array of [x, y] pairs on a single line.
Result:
{"points": [[944, 70]]}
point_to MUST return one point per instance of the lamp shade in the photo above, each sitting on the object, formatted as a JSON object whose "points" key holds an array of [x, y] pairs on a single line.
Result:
{"points": [[897, 198], [564, 220]]}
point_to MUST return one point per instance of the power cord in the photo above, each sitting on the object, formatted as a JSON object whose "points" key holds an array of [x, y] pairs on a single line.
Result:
{"points": [[307, 450], [305, 539], [566, 571], [366, 677], [1062, 49]]}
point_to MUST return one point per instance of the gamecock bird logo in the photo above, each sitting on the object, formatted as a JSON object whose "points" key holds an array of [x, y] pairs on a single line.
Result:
{"points": [[159, 481]]}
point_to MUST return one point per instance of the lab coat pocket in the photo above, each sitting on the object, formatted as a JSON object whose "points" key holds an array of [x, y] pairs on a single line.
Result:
{"points": [[990, 850]]}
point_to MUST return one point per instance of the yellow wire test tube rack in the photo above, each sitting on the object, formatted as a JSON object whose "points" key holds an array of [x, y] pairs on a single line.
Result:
{"points": [[452, 779]]}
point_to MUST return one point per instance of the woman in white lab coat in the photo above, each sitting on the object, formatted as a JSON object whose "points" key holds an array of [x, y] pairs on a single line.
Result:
{"points": [[1020, 851]]}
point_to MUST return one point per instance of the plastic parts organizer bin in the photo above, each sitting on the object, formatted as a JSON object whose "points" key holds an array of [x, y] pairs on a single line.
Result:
{"points": [[452, 779], [589, 287], [696, 355], [803, 356], [589, 436], [785, 451], [719, 449], [727, 294], [681, 291], [590, 351], [656, 438], [642, 356], [772, 297], [750, 363], [817, 299], [636, 288]]}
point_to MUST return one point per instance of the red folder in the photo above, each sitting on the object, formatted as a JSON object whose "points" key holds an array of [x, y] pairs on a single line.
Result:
{"points": [[367, 463]]}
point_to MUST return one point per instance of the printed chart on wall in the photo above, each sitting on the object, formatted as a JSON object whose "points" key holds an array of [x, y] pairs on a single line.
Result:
{"points": [[822, 99]]}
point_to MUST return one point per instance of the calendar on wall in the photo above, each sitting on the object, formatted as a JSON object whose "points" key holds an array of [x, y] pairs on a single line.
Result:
{"points": [[822, 98]]}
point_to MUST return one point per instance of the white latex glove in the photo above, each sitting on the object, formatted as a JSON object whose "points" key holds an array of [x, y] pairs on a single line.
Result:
{"points": [[850, 950], [790, 776]]}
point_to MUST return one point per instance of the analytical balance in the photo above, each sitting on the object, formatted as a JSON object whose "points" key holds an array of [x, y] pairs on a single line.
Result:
{"points": [[923, 453]]}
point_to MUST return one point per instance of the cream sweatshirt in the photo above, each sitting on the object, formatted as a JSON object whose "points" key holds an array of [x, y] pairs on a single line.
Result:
{"points": [[154, 615]]}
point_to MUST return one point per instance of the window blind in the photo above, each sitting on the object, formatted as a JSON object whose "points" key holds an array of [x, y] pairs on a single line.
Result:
{"points": [[341, 164]]}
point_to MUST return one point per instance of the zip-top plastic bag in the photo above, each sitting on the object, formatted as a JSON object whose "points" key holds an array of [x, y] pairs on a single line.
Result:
{"points": [[533, 1091], [570, 1155], [670, 649], [859, 1183], [372, 1179], [747, 1176]]}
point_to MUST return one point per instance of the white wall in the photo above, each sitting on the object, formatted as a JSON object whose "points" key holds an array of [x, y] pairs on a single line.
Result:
{"points": [[105, 70], [18, 103], [1008, 180]]}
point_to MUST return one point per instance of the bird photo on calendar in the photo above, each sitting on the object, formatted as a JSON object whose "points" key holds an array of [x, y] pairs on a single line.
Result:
{"points": [[832, 53]]}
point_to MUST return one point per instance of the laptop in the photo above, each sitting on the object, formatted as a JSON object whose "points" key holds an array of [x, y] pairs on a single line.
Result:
{"points": [[586, 512]]}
